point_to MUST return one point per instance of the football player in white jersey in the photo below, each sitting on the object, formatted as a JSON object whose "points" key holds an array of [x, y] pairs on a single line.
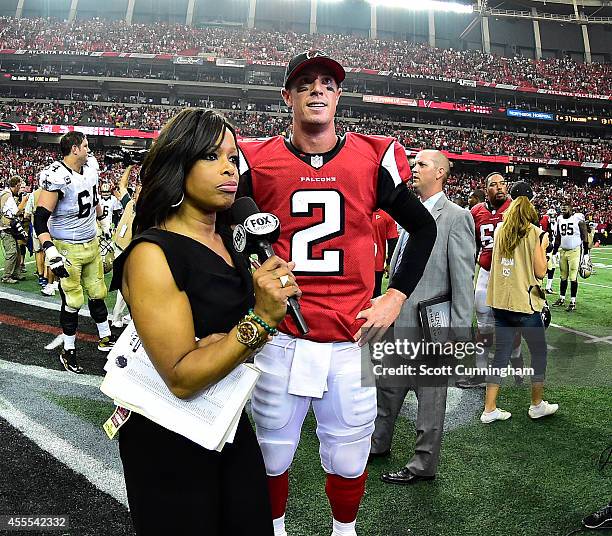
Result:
{"points": [[571, 240], [111, 208], [65, 222], [111, 212]]}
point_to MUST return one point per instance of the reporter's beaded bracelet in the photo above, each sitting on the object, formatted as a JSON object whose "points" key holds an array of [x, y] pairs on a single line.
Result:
{"points": [[255, 317]]}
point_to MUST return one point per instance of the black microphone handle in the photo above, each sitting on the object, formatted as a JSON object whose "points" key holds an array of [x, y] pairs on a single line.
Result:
{"points": [[296, 313], [265, 252]]}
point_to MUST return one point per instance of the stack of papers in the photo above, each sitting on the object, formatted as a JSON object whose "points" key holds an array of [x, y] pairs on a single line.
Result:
{"points": [[210, 418]]}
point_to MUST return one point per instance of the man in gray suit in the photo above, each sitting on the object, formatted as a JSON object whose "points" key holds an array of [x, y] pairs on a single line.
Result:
{"points": [[450, 271]]}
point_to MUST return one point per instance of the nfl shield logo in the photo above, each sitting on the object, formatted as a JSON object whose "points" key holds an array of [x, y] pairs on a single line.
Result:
{"points": [[316, 161]]}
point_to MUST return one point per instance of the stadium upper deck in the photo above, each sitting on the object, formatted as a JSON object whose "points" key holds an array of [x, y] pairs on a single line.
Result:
{"points": [[266, 47]]}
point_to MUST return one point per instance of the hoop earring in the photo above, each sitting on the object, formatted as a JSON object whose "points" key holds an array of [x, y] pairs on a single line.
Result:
{"points": [[181, 200]]}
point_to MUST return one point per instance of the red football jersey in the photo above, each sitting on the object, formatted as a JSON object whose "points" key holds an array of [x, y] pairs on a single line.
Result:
{"points": [[486, 220], [385, 229], [545, 223], [325, 205]]}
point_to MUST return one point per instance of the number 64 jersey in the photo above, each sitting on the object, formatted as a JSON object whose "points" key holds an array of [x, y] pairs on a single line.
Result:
{"points": [[74, 217], [325, 204]]}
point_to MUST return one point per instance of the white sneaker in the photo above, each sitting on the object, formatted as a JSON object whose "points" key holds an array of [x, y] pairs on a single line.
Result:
{"points": [[56, 285], [48, 290], [542, 410], [117, 324], [495, 415]]}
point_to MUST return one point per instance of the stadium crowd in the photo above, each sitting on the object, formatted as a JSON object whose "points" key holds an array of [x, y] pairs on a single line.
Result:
{"points": [[84, 113], [593, 200], [455, 140], [397, 57], [473, 140], [27, 161]]}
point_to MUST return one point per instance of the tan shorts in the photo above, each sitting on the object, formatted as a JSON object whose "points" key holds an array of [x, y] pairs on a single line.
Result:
{"points": [[569, 262]]}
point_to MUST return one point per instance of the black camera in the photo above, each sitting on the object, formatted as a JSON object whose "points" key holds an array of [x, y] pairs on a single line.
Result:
{"points": [[126, 157], [17, 229]]}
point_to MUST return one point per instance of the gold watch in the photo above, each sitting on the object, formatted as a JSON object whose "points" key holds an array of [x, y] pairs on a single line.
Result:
{"points": [[248, 333]]}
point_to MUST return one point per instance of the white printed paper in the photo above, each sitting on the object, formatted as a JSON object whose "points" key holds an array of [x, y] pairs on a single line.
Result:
{"points": [[210, 418]]}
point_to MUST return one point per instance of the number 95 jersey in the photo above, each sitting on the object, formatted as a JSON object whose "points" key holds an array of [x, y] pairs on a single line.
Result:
{"points": [[325, 204], [74, 217]]}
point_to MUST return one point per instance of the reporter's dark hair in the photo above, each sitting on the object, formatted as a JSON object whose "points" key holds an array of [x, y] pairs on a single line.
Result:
{"points": [[69, 140], [188, 137]]}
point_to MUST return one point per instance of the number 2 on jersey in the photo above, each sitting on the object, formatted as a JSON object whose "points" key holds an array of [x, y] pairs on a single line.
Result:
{"points": [[303, 203]]}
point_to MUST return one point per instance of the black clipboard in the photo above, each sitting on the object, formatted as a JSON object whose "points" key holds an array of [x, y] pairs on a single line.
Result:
{"points": [[434, 318]]}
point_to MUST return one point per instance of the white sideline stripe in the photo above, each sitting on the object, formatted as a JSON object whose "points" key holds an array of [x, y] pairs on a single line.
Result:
{"points": [[97, 473], [36, 302], [29, 262], [592, 284], [46, 374], [581, 282], [592, 338]]}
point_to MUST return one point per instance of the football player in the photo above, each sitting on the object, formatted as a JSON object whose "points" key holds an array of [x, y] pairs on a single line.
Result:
{"points": [[325, 188], [45, 275], [385, 240], [65, 222], [548, 223], [111, 208], [111, 212], [572, 243], [477, 196], [487, 216]]}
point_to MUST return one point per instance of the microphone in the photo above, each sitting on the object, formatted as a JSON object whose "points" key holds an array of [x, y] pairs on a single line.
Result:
{"points": [[255, 233]]}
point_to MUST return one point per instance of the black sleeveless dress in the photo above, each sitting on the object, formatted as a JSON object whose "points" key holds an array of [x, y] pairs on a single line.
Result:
{"points": [[175, 486]]}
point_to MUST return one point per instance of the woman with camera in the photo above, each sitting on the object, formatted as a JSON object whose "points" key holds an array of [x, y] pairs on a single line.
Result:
{"points": [[517, 299], [182, 279]]}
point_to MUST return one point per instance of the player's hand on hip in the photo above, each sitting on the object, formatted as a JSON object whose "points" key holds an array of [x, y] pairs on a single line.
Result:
{"points": [[274, 284], [385, 309]]}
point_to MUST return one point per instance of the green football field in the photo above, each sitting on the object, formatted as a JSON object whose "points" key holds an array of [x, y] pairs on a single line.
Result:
{"points": [[518, 477]]}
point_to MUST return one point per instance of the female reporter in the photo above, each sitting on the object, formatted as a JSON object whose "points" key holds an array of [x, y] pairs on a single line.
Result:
{"points": [[182, 279], [514, 293]]}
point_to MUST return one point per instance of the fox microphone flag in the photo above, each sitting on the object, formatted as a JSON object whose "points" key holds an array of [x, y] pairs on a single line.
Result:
{"points": [[255, 233]]}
